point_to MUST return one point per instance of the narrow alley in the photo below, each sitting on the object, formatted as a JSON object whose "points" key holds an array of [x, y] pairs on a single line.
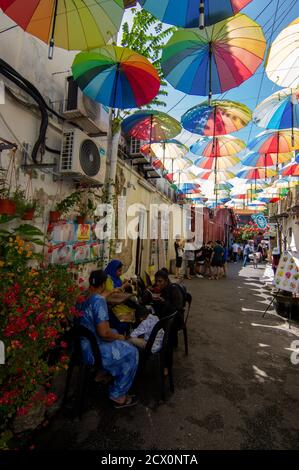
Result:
{"points": [[237, 389]]}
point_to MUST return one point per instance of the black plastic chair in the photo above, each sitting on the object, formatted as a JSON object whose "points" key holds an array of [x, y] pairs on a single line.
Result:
{"points": [[183, 326], [148, 279], [164, 357], [85, 371]]}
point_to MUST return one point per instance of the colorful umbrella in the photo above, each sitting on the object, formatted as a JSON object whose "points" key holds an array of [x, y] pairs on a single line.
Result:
{"points": [[224, 186], [186, 13], [116, 76], [151, 126], [180, 177], [209, 175], [166, 150], [275, 142], [188, 187], [171, 165], [256, 174], [216, 59], [73, 25], [221, 146], [219, 118], [222, 163], [264, 160], [290, 170], [283, 57], [286, 182], [279, 111]]}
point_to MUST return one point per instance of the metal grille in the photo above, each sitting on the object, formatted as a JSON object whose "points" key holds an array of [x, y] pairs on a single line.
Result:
{"points": [[90, 158], [66, 161]]}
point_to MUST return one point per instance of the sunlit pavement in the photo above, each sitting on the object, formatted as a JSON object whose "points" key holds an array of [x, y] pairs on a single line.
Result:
{"points": [[237, 389]]}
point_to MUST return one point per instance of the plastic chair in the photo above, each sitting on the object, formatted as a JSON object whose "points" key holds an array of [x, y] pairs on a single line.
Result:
{"points": [[164, 357], [85, 370], [148, 279], [183, 327]]}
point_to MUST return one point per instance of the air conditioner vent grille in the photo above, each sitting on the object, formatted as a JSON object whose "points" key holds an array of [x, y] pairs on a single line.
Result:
{"points": [[67, 151], [90, 158]]}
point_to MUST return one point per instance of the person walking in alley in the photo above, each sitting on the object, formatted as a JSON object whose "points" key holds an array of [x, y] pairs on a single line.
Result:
{"points": [[217, 260], [246, 252], [179, 252], [236, 247], [189, 256]]}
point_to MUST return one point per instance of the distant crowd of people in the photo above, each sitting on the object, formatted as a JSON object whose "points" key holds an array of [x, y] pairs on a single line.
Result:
{"points": [[212, 257]]}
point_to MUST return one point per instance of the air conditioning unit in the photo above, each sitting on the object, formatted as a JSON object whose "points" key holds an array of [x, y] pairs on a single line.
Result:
{"points": [[82, 158], [77, 107]]}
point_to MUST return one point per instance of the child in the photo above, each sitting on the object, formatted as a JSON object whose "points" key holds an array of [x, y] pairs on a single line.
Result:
{"points": [[141, 334]]}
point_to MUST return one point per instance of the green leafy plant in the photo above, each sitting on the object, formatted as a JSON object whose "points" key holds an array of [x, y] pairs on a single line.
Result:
{"points": [[69, 203]]}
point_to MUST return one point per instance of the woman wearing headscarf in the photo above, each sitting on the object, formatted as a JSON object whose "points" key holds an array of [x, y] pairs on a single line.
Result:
{"points": [[114, 283]]}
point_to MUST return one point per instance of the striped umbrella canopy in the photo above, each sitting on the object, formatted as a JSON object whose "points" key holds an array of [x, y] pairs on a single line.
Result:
{"points": [[264, 160], [218, 118], [275, 141], [283, 56], [256, 174], [224, 186], [73, 25], [165, 150], [116, 76], [187, 13], [151, 126], [180, 177], [188, 188], [210, 175], [290, 170], [170, 165], [216, 59], [278, 111], [220, 146], [210, 163]]}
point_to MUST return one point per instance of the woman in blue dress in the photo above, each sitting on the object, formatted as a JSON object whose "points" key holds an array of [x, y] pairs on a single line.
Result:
{"points": [[118, 356]]}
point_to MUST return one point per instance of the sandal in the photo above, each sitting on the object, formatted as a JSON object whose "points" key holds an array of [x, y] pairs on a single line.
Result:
{"points": [[129, 401]]}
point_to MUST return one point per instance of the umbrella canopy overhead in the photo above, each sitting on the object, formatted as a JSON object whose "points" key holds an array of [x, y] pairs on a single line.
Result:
{"points": [[223, 186], [72, 25], [188, 188], [216, 59], [256, 174], [221, 146], [170, 165], [212, 163], [219, 118], [279, 111], [286, 182], [181, 177], [275, 141], [256, 159], [168, 149], [151, 126], [186, 13], [222, 175], [116, 76], [290, 170], [283, 55]]}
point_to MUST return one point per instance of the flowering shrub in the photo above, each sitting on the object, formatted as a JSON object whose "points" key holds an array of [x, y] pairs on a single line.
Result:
{"points": [[36, 304]]}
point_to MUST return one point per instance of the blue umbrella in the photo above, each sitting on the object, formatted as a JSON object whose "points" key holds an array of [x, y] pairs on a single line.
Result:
{"points": [[187, 13]]}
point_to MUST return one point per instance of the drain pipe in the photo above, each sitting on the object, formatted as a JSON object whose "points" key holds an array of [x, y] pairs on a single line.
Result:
{"points": [[112, 152]]}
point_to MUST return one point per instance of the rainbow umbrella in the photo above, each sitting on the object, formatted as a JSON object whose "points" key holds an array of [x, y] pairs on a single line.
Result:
{"points": [[171, 165], [275, 141], [209, 175], [188, 187], [278, 111], [283, 57], [210, 163], [116, 77], [290, 170], [188, 13], [256, 174], [256, 159], [216, 59], [219, 118], [215, 147], [180, 177], [73, 25], [151, 126], [224, 186], [168, 149]]}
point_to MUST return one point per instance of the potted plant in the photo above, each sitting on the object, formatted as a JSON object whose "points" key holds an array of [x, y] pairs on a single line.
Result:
{"points": [[7, 204], [86, 206], [63, 207], [24, 208]]}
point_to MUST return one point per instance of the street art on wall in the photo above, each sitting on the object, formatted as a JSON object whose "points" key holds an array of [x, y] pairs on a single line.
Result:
{"points": [[287, 274]]}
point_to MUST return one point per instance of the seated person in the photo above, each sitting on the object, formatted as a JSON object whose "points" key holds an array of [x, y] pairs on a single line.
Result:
{"points": [[140, 335], [171, 296], [119, 357], [114, 283]]}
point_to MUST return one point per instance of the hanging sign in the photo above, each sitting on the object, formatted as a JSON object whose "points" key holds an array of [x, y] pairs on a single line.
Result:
{"points": [[260, 220]]}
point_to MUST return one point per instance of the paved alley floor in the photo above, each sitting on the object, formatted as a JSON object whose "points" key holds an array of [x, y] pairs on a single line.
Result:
{"points": [[237, 389]]}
